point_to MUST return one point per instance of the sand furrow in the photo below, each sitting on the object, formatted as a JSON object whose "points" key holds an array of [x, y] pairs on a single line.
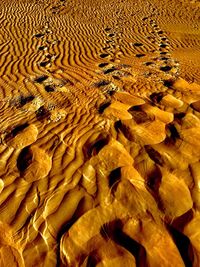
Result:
{"points": [[99, 133]]}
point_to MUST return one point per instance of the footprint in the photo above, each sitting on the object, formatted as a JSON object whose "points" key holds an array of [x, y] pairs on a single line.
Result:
{"points": [[165, 68], [39, 35], [163, 45], [103, 106], [163, 53], [116, 77], [114, 178], [109, 70], [140, 55], [15, 131], [139, 115], [93, 148], [42, 113], [111, 35], [49, 56], [102, 83], [138, 44], [44, 63], [24, 159], [148, 63], [107, 29], [168, 83], [164, 58], [49, 88], [41, 79], [22, 100], [173, 135], [33, 163], [109, 41], [42, 48], [154, 155], [104, 55], [156, 97], [102, 65]]}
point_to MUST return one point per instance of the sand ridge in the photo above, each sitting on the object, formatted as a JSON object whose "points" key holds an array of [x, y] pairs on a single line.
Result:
{"points": [[99, 133]]}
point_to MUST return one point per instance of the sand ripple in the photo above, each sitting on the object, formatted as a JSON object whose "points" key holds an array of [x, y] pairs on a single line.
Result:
{"points": [[99, 133]]}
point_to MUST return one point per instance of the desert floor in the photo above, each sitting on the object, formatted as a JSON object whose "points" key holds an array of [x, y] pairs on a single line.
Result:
{"points": [[100, 133]]}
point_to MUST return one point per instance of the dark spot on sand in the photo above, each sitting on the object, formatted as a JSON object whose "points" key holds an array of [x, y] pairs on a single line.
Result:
{"points": [[102, 83], [163, 45], [154, 180], [140, 55], [163, 53], [168, 83], [172, 134], [38, 35], [183, 244], [103, 106], [164, 58], [102, 65], [138, 44], [154, 155], [156, 97], [111, 35], [93, 148], [41, 79], [179, 116], [44, 63], [49, 88], [109, 70], [22, 100], [116, 77], [49, 56], [114, 178], [15, 131], [104, 55], [42, 113], [139, 115], [24, 159], [148, 63], [166, 68], [42, 47]]}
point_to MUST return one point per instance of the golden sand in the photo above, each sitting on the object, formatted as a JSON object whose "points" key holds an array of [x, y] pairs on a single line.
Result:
{"points": [[99, 133]]}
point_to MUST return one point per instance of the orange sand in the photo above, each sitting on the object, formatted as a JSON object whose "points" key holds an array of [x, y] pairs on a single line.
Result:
{"points": [[100, 133]]}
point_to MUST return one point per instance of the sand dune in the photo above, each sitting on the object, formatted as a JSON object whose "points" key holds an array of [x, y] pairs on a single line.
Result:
{"points": [[99, 131]]}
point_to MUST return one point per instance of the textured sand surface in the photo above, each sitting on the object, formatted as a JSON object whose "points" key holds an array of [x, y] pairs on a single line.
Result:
{"points": [[100, 133]]}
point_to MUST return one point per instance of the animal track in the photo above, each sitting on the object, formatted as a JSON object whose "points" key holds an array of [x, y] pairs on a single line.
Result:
{"points": [[138, 44], [140, 55], [110, 70], [49, 88], [102, 65], [44, 63], [39, 35], [41, 79], [104, 55], [163, 64]]}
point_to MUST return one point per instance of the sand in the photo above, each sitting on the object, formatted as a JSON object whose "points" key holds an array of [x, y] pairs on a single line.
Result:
{"points": [[99, 133]]}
